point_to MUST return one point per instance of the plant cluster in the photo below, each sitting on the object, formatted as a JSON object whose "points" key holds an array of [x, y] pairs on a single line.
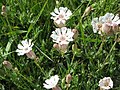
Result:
{"points": [[77, 58]]}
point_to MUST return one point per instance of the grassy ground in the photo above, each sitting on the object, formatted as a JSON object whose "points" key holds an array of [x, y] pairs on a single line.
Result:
{"points": [[94, 59]]}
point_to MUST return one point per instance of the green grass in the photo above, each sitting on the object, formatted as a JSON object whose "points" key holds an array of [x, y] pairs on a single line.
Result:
{"points": [[94, 58]]}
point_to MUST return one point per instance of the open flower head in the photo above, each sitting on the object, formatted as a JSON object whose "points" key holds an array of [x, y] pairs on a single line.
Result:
{"points": [[60, 15], [111, 19], [106, 83], [62, 35], [52, 82], [107, 24], [97, 24], [24, 47]]}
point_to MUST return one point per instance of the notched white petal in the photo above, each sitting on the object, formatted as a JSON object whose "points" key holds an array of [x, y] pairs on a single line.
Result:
{"points": [[51, 83], [24, 47]]}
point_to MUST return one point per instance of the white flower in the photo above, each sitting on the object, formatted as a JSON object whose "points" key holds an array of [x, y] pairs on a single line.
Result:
{"points": [[106, 83], [97, 24], [111, 19], [60, 15], [62, 35], [52, 82], [25, 47]]}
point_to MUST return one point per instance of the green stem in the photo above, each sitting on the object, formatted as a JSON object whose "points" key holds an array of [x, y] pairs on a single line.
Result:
{"points": [[67, 88], [44, 54], [73, 58], [110, 51], [100, 48], [24, 77], [105, 61], [8, 24], [39, 68]]}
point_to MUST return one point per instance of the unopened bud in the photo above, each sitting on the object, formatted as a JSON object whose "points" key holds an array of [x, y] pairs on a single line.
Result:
{"points": [[16, 69], [3, 8], [57, 2], [75, 31], [7, 64], [31, 55], [3, 13], [87, 11], [68, 78], [74, 47], [56, 46]]}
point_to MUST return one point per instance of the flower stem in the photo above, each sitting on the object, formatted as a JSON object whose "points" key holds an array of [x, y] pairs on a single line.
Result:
{"points": [[73, 58], [44, 54], [105, 61], [39, 67], [110, 51], [100, 48], [24, 77]]}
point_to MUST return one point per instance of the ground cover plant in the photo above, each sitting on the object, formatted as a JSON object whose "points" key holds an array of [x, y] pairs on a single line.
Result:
{"points": [[59, 45]]}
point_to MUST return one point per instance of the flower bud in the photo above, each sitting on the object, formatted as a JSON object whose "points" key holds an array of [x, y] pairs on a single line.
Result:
{"points": [[31, 55], [16, 69], [75, 31], [56, 46], [7, 64], [57, 2], [74, 47], [3, 8], [3, 13], [87, 11], [68, 78]]}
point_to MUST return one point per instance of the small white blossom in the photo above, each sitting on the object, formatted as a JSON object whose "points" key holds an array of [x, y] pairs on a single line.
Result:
{"points": [[60, 15], [107, 24], [52, 82], [97, 24], [106, 83], [111, 19], [25, 47], [62, 35]]}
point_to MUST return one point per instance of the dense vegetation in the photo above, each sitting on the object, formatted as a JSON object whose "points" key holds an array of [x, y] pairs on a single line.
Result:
{"points": [[95, 57]]}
